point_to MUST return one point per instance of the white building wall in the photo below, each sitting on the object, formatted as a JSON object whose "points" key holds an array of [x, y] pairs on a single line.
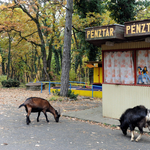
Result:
{"points": [[117, 98]]}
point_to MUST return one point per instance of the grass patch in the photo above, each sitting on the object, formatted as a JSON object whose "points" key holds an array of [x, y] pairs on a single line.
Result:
{"points": [[54, 98], [113, 126]]}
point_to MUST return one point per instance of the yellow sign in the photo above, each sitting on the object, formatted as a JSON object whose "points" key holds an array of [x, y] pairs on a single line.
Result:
{"points": [[101, 32], [137, 28]]}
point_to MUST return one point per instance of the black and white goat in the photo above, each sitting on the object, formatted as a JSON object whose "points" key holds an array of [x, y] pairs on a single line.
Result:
{"points": [[36, 104], [138, 116]]}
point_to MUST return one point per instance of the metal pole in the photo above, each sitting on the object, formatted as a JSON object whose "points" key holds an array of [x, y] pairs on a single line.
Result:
{"points": [[41, 86], [49, 87], [92, 91]]}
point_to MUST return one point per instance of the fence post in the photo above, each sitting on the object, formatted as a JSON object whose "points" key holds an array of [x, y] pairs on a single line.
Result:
{"points": [[41, 86], [92, 91], [49, 87]]}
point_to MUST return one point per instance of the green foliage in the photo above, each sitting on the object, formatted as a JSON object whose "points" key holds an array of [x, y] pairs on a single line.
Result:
{"points": [[72, 75], [144, 14], [3, 77], [85, 6], [10, 83], [53, 99], [70, 94], [82, 9], [125, 10], [56, 92]]}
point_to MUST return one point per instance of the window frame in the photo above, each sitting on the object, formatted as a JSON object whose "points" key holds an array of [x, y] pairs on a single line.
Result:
{"points": [[135, 65]]}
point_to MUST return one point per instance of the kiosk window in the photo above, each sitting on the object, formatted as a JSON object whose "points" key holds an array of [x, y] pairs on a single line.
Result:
{"points": [[119, 67]]}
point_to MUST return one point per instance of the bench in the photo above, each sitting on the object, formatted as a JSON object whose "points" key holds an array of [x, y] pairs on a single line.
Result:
{"points": [[34, 86]]}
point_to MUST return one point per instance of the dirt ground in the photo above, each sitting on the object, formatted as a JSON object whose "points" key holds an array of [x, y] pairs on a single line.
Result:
{"points": [[16, 96]]}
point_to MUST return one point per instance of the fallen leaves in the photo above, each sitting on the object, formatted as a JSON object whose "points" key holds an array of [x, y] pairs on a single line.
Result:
{"points": [[4, 144], [37, 145], [16, 96]]}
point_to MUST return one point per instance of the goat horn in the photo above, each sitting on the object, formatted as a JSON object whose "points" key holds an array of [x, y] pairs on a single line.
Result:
{"points": [[59, 111]]}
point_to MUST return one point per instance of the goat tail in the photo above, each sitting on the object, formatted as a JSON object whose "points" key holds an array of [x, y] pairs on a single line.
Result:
{"points": [[21, 105]]}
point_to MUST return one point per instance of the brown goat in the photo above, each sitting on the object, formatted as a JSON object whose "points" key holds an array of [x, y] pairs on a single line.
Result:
{"points": [[36, 104]]}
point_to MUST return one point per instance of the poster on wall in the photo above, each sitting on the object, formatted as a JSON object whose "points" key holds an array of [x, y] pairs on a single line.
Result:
{"points": [[143, 69]]}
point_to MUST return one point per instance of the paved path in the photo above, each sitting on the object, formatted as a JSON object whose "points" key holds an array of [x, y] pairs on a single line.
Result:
{"points": [[65, 135], [93, 114]]}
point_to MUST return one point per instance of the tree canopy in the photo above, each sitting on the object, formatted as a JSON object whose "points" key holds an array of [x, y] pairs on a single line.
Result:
{"points": [[125, 10], [32, 34]]}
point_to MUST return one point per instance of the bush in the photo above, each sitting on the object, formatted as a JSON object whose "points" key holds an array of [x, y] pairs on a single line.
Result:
{"points": [[56, 92], [53, 99], [3, 77], [71, 94], [10, 83]]}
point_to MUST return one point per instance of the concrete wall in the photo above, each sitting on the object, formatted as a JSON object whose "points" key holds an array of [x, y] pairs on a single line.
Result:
{"points": [[117, 98]]}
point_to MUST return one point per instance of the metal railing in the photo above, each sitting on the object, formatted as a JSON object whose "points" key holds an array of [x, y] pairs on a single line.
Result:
{"points": [[49, 89], [95, 86], [69, 84]]}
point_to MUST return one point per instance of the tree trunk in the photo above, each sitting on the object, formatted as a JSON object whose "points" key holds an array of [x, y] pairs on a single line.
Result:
{"points": [[3, 66], [9, 55], [51, 46], [66, 50], [50, 54]]}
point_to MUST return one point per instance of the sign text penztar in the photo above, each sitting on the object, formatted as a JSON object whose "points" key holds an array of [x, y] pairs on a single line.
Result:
{"points": [[137, 28], [99, 33]]}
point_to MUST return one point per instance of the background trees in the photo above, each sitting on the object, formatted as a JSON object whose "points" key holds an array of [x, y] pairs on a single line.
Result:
{"points": [[126, 10], [32, 35]]}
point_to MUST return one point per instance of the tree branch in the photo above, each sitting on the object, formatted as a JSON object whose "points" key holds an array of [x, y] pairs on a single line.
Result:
{"points": [[25, 10], [77, 29], [25, 38]]}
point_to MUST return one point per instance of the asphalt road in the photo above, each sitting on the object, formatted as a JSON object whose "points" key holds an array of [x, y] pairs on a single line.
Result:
{"points": [[65, 135]]}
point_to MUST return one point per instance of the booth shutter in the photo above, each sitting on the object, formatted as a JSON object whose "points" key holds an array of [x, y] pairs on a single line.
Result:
{"points": [[97, 75]]}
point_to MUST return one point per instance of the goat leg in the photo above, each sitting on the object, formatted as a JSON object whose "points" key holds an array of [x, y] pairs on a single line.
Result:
{"points": [[38, 116], [29, 112], [28, 120], [132, 136], [46, 116], [139, 137]]}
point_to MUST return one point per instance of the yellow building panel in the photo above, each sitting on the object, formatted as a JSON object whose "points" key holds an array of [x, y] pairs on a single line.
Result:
{"points": [[101, 75], [96, 73], [87, 93]]}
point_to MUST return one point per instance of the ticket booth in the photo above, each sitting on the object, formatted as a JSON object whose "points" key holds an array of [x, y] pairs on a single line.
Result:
{"points": [[125, 65]]}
